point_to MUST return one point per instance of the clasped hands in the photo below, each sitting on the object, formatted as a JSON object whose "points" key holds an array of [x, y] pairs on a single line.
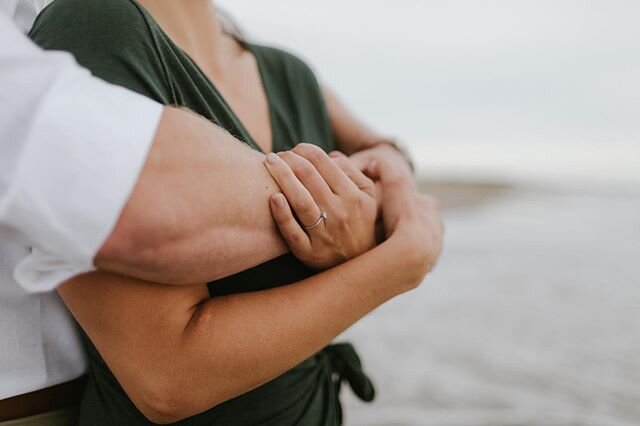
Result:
{"points": [[367, 198]]}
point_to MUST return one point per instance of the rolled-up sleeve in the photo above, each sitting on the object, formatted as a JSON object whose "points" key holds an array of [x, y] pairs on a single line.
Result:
{"points": [[71, 151]]}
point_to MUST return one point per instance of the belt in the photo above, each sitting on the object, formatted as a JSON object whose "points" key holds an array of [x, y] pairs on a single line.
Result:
{"points": [[43, 400]]}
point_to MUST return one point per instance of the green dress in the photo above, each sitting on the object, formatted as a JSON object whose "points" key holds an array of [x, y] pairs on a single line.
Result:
{"points": [[121, 43]]}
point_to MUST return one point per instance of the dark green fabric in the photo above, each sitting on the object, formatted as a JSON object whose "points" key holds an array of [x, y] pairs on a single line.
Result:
{"points": [[121, 43]]}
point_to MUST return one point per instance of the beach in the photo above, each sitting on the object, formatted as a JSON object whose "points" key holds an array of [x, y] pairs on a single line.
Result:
{"points": [[532, 316]]}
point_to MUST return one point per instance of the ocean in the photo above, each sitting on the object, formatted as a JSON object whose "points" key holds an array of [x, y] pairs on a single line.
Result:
{"points": [[531, 318]]}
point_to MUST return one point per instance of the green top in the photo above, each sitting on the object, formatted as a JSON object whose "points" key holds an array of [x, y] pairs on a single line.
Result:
{"points": [[121, 43]]}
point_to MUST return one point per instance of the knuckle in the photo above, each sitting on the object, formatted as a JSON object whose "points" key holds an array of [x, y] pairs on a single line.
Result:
{"points": [[303, 171], [352, 198], [312, 153], [288, 158], [317, 156], [369, 187], [367, 204], [340, 218], [342, 162], [294, 238], [280, 215], [347, 164], [307, 209], [303, 147]]}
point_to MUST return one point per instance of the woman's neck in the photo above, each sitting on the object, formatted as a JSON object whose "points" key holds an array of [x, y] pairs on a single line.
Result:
{"points": [[193, 25]]}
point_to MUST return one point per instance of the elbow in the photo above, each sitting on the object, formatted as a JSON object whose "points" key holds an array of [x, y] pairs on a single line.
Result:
{"points": [[161, 409], [156, 396], [119, 247], [169, 404], [126, 244], [138, 253]]}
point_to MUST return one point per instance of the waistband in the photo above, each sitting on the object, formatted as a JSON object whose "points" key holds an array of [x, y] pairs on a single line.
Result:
{"points": [[43, 400]]}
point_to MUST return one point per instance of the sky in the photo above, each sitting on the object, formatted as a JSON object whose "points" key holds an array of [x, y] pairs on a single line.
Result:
{"points": [[526, 89]]}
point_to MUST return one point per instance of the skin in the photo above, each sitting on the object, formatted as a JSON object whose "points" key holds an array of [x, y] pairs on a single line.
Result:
{"points": [[350, 205], [156, 237], [187, 352]]}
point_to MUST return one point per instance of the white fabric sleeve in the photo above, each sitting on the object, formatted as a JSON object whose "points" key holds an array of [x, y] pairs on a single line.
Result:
{"points": [[71, 150]]}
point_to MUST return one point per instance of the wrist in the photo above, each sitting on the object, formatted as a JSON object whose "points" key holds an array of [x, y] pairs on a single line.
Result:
{"points": [[411, 258], [393, 146]]}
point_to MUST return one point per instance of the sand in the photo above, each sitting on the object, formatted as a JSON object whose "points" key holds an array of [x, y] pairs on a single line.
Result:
{"points": [[532, 316]]}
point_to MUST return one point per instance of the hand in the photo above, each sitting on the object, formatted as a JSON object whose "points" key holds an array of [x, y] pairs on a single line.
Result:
{"points": [[312, 183], [383, 152], [409, 216]]}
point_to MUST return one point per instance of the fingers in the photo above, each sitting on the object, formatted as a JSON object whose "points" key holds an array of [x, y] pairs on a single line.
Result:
{"points": [[298, 196], [360, 159], [331, 173], [387, 174], [349, 168], [309, 177], [295, 237]]}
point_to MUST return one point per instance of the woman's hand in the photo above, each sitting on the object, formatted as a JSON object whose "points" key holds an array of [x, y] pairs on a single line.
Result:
{"points": [[335, 204]]}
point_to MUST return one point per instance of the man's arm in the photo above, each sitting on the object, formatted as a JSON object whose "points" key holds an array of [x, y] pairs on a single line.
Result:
{"points": [[199, 211], [190, 205], [71, 149]]}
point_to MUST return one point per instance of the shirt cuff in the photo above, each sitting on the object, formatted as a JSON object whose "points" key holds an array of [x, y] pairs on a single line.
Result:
{"points": [[84, 155]]}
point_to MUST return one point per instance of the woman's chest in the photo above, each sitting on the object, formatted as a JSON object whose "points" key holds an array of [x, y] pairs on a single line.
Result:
{"points": [[262, 108]]}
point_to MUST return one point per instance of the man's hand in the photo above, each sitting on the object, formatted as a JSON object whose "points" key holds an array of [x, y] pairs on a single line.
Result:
{"points": [[383, 152], [314, 184], [414, 216]]}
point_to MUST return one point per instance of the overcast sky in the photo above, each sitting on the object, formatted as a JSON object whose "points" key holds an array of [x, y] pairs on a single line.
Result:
{"points": [[499, 73]]}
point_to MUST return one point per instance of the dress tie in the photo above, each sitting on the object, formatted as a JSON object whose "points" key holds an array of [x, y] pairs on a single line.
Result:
{"points": [[346, 365]]}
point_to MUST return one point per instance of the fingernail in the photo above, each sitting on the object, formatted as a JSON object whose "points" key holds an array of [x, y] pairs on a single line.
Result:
{"points": [[272, 158], [336, 154]]}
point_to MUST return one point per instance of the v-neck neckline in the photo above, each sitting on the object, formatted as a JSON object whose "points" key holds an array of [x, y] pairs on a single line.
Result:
{"points": [[265, 84]]}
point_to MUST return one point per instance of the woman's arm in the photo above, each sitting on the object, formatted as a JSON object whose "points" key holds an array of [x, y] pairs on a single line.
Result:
{"points": [[177, 353]]}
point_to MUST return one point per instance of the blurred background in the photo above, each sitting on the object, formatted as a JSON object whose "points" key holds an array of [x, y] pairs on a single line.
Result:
{"points": [[524, 119]]}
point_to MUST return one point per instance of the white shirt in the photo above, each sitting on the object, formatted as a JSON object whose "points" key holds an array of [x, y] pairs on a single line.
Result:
{"points": [[71, 150]]}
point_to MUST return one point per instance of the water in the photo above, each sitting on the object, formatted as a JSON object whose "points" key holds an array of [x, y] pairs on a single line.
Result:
{"points": [[532, 318], [479, 87]]}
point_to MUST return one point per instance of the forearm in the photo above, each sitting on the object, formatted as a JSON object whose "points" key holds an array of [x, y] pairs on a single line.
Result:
{"points": [[200, 210], [278, 329], [189, 353]]}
